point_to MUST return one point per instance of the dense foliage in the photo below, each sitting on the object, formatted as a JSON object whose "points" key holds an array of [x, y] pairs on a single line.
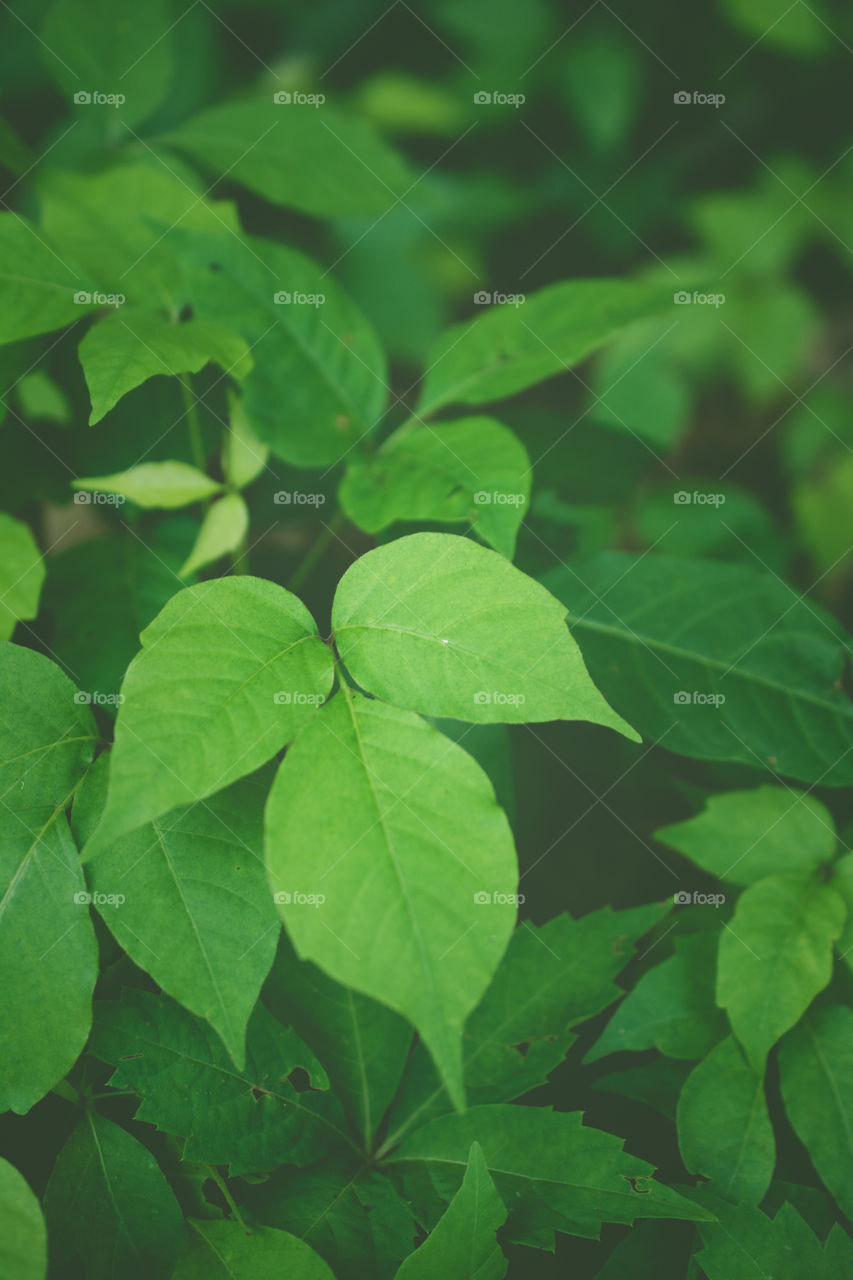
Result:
{"points": [[426, 508]]}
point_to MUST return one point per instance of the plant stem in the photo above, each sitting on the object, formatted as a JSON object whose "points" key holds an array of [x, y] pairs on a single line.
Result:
{"points": [[193, 424], [226, 1194], [316, 551]]}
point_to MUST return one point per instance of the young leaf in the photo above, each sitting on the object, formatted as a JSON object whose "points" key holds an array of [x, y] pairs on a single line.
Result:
{"points": [[21, 574], [252, 1119], [186, 897], [816, 1076], [155, 484], [126, 348], [473, 471], [222, 531], [48, 954], [776, 659], [775, 957], [226, 1251], [41, 290], [437, 624], [314, 160], [463, 1245], [507, 348], [244, 457], [724, 1129], [671, 1008], [553, 1172], [404, 888], [229, 670], [742, 836], [23, 1239], [109, 1209]]}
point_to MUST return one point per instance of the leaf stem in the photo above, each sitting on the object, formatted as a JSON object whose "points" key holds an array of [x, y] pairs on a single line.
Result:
{"points": [[193, 424], [316, 551], [226, 1195]]}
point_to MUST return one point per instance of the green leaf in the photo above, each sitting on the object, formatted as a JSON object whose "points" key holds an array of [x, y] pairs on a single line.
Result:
{"points": [[23, 1239], [775, 957], [746, 1244], [553, 1172], [22, 573], [472, 471], [126, 348], [109, 1209], [318, 384], [816, 1077], [671, 1008], [244, 457], [463, 1243], [509, 347], [186, 897], [742, 836], [48, 954], [306, 158], [842, 882], [437, 624], [222, 531], [252, 1119], [656, 1084], [775, 658], [92, 45], [154, 484], [724, 1129], [404, 888], [363, 1044], [229, 670], [39, 285], [226, 1251]]}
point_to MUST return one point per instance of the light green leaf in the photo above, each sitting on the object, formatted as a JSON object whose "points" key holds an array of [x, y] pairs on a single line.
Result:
{"points": [[126, 348], [43, 400], [463, 1243], [775, 957], [186, 897], [244, 456], [307, 158], [473, 471], [671, 1008], [228, 672], [154, 484], [93, 45], [554, 1172], [842, 882], [109, 1209], [253, 1120], [742, 836], [438, 624], [816, 1077], [724, 1129], [775, 658], [509, 347], [39, 284], [383, 889], [22, 573], [48, 954], [23, 1239], [222, 531], [226, 1251]]}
